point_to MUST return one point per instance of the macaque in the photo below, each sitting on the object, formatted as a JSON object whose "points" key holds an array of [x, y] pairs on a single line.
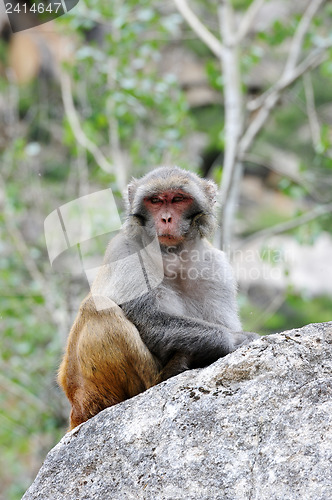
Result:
{"points": [[163, 302]]}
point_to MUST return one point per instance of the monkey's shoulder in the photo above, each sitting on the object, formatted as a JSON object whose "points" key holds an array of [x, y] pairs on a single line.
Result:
{"points": [[95, 304], [119, 247]]}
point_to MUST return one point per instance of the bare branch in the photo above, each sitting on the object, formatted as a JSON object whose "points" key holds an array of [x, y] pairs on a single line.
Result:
{"points": [[247, 20], [198, 27], [291, 224], [311, 110], [270, 98], [82, 172], [300, 33], [232, 95], [291, 72], [232, 168], [82, 139], [258, 122], [116, 152], [314, 59], [267, 163], [300, 180]]}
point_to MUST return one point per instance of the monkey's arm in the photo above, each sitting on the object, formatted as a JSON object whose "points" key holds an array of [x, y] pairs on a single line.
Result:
{"points": [[165, 334]]}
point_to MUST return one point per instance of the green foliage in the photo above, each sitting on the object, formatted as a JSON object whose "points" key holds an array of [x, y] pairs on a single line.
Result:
{"points": [[308, 234], [241, 4], [325, 144], [326, 67], [213, 73], [298, 311], [278, 33], [210, 119], [252, 55], [198, 47], [290, 188]]}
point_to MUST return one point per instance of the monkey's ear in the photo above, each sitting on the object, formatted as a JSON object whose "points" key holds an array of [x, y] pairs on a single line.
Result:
{"points": [[132, 187], [211, 190]]}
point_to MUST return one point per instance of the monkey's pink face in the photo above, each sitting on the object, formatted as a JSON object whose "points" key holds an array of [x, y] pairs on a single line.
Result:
{"points": [[167, 210]]}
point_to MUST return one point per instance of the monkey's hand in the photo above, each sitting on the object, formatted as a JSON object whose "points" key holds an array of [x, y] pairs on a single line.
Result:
{"points": [[244, 338]]}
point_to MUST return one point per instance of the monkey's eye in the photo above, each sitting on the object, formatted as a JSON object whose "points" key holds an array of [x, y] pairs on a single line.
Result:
{"points": [[154, 199], [178, 198]]}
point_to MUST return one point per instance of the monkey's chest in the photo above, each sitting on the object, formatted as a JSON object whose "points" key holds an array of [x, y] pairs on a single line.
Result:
{"points": [[186, 297]]}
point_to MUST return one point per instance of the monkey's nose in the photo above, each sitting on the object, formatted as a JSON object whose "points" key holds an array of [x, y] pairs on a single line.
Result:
{"points": [[166, 220]]}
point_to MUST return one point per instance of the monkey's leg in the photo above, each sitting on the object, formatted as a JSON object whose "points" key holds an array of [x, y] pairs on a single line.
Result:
{"points": [[177, 364], [105, 362]]}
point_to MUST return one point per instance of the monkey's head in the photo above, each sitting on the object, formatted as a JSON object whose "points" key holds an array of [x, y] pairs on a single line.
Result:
{"points": [[175, 204]]}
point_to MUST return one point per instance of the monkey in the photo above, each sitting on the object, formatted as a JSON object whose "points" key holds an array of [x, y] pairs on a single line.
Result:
{"points": [[164, 300]]}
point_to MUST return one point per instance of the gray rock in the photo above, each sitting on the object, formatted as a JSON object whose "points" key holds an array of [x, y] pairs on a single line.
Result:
{"points": [[256, 424]]}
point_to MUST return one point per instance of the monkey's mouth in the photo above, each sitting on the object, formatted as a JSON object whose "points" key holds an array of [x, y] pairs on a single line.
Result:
{"points": [[169, 239]]}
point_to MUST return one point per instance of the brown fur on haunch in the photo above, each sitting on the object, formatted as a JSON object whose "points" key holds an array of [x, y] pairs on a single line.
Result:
{"points": [[105, 362]]}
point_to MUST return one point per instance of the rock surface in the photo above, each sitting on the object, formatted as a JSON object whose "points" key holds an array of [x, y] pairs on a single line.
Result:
{"points": [[256, 424]]}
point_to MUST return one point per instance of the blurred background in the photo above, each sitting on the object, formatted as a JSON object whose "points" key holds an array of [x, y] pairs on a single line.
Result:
{"points": [[239, 91]]}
